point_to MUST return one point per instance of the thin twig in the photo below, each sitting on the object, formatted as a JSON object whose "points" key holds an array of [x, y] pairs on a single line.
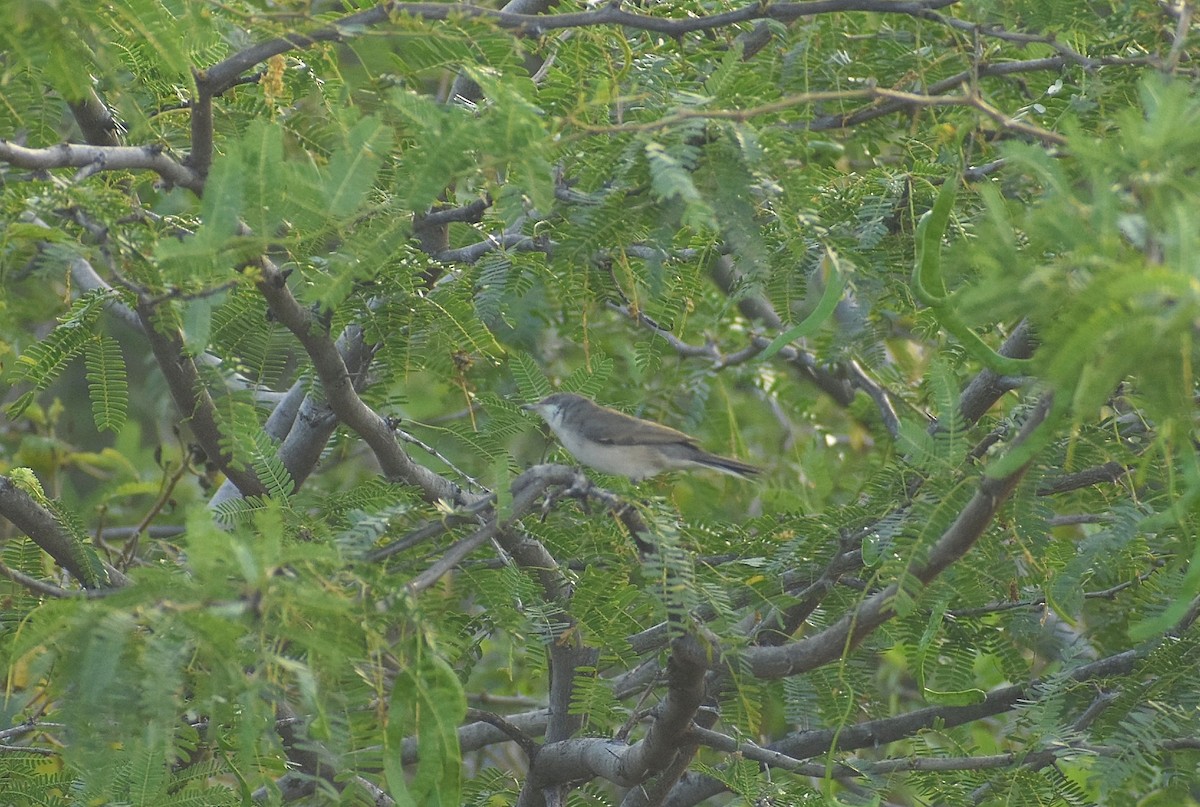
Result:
{"points": [[35, 585], [513, 732]]}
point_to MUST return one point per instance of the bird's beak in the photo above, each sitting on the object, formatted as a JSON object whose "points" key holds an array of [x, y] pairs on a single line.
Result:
{"points": [[529, 407]]}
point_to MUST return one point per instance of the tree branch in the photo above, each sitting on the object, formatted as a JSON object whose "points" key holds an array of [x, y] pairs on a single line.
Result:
{"points": [[937, 89], [509, 729], [201, 155], [1108, 472], [35, 585], [95, 120], [471, 213], [220, 76], [192, 397], [850, 630], [756, 307], [875, 733], [343, 399], [473, 252], [102, 158], [43, 529], [629, 765], [303, 422], [987, 387]]}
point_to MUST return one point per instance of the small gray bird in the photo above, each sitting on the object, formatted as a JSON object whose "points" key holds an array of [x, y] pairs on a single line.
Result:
{"points": [[616, 443]]}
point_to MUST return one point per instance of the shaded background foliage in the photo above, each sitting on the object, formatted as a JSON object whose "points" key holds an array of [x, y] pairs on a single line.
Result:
{"points": [[272, 534]]}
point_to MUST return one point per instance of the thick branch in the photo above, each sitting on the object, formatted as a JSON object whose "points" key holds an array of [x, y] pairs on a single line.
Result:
{"points": [[192, 397], [875, 733], [472, 212], [629, 765], [850, 630], [1108, 472], [343, 399], [102, 158], [44, 530], [473, 252], [480, 734], [202, 128], [95, 120], [304, 422]]}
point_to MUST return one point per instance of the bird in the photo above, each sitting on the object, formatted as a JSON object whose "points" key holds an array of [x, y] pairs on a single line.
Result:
{"points": [[616, 443]]}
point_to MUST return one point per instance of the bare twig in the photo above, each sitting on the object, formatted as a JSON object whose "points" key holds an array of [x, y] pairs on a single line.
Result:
{"points": [[896, 100], [35, 585], [219, 76], [511, 730], [1183, 24], [28, 749], [452, 557], [881, 397], [1108, 472]]}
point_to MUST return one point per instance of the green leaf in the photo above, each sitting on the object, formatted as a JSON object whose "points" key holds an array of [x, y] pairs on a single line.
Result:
{"points": [[265, 175], [107, 383], [427, 702], [835, 284], [671, 179], [45, 359], [353, 168], [529, 377]]}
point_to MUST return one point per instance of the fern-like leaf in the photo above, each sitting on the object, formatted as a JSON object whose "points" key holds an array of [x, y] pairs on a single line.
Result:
{"points": [[529, 377], [270, 469], [107, 383], [44, 360]]}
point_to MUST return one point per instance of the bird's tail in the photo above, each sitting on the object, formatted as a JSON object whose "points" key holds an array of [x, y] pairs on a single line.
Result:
{"points": [[728, 465]]}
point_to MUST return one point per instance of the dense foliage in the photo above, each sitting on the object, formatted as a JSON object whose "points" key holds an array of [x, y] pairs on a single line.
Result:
{"points": [[277, 277]]}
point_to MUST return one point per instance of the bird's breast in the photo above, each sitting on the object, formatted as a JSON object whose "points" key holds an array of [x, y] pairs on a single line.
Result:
{"points": [[636, 461]]}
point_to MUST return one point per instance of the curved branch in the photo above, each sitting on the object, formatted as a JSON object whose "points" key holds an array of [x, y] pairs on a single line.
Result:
{"points": [[987, 387], [343, 399], [695, 788], [481, 734], [508, 728], [756, 307], [629, 765], [31, 518], [220, 76], [850, 630], [102, 158], [192, 397]]}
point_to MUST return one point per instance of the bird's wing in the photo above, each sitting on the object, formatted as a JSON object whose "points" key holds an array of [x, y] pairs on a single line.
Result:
{"points": [[643, 432]]}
